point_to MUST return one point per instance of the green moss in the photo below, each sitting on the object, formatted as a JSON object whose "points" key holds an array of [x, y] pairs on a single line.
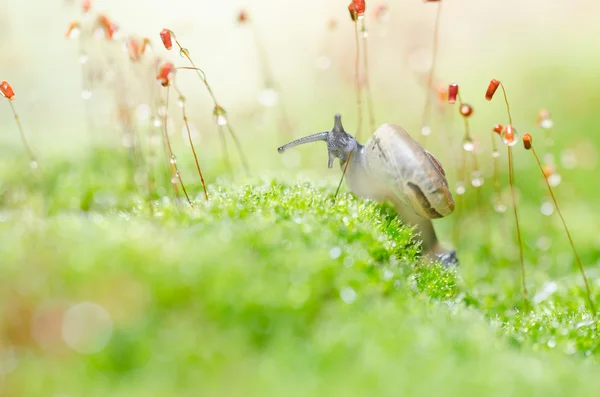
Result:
{"points": [[267, 289]]}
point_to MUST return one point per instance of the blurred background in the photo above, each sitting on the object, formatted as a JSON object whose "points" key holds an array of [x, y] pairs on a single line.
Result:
{"points": [[285, 74], [543, 51]]}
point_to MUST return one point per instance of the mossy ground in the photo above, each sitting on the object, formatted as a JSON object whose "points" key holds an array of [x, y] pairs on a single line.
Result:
{"points": [[267, 289]]}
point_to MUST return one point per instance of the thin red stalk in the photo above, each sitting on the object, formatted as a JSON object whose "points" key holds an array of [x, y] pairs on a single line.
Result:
{"points": [[495, 167], [173, 160], [585, 280], [189, 134], [512, 192], [343, 174], [34, 162]]}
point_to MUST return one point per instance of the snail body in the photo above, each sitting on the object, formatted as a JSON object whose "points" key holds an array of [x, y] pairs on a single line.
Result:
{"points": [[393, 167]]}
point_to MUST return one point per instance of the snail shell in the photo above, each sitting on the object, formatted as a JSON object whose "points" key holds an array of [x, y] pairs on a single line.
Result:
{"points": [[395, 167]]}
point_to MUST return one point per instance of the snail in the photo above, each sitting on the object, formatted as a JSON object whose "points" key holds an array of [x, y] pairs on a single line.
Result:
{"points": [[393, 167]]}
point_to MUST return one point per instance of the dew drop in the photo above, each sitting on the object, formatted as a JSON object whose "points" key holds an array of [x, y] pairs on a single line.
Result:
{"points": [[174, 181], [335, 252], [468, 145], [500, 208], [547, 208], [426, 130], [173, 160], [83, 59], [552, 343], [181, 102], [220, 115], [495, 154], [554, 179], [348, 295], [184, 52], [364, 33], [86, 94], [388, 274], [546, 123], [221, 120], [162, 111], [544, 243], [156, 122], [33, 164], [460, 188], [476, 179], [509, 135], [268, 97]]}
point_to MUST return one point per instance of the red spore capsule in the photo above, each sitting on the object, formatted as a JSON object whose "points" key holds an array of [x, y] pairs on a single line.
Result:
{"points": [[7, 90], [145, 45], [356, 8], [527, 141], [109, 27], [166, 37], [243, 17], [491, 90], [498, 128], [134, 49], [165, 73], [86, 5], [452, 92]]}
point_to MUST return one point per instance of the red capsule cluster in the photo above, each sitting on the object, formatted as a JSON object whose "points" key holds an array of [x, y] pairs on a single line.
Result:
{"points": [[165, 74], [166, 36], [7, 90]]}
